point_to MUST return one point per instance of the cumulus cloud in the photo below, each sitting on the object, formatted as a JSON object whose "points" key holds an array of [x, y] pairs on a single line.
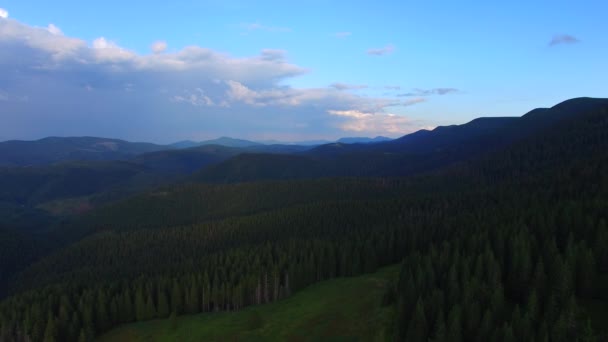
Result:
{"points": [[3, 13], [54, 29], [429, 92], [69, 86], [195, 98], [159, 46], [346, 86], [381, 51], [342, 34], [563, 39], [375, 123]]}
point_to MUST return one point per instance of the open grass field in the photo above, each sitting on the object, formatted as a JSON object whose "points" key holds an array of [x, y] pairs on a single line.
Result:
{"points": [[343, 309]]}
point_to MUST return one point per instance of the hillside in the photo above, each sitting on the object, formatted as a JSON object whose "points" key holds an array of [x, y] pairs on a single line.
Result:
{"points": [[508, 244], [75, 186], [56, 149], [342, 308], [419, 152]]}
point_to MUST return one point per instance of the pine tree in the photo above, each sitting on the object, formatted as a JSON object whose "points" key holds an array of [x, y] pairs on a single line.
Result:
{"points": [[485, 328], [440, 333], [177, 301], [455, 324], [418, 328], [82, 337], [50, 333], [173, 321], [140, 305], [102, 318], [585, 273], [507, 333], [150, 310], [587, 334], [163, 304]]}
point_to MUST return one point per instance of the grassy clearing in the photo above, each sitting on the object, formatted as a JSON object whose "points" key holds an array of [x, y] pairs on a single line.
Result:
{"points": [[343, 309]]}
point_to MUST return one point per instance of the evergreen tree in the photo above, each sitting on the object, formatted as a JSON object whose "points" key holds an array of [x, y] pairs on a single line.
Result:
{"points": [[418, 328]]}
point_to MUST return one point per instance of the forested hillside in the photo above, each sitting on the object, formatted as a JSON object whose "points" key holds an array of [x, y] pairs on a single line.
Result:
{"points": [[506, 245], [57, 149], [412, 154]]}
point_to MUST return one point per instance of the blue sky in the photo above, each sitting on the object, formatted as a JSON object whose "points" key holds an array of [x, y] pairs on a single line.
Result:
{"points": [[289, 70]]}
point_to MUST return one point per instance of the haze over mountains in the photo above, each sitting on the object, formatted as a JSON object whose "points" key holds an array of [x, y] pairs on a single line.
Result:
{"points": [[57, 149], [65, 168]]}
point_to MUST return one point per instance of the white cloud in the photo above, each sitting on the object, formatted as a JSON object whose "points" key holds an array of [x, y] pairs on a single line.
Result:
{"points": [[43, 46], [3, 13], [102, 43], [159, 46], [54, 30], [381, 51], [196, 98], [107, 51], [75, 87], [374, 123]]}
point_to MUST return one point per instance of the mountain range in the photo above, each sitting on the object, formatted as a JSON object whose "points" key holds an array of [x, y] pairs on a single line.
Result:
{"points": [[494, 224], [109, 169], [60, 149]]}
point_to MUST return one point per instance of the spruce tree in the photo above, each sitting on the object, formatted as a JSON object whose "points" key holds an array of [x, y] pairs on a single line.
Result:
{"points": [[418, 328]]}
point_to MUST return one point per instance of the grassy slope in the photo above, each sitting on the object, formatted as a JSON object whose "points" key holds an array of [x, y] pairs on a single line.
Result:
{"points": [[343, 309]]}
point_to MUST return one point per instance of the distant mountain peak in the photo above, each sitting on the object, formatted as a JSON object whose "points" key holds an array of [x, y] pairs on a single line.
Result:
{"points": [[363, 140]]}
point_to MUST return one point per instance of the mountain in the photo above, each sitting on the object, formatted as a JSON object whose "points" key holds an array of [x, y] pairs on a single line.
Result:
{"points": [[229, 142], [31, 186], [69, 187], [362, 140], [346, 140], [480, 241], [222, 141], [418, 152], [187, 160], [184, 144], [57, 149], [299, 143]]}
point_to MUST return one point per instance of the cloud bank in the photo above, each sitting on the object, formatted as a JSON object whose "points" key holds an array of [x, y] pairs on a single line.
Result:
{"points": [[53, 84]]}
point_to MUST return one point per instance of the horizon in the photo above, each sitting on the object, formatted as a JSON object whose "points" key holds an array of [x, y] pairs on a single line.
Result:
{"points": [[286, 142], [262, 142], [196, 72]]}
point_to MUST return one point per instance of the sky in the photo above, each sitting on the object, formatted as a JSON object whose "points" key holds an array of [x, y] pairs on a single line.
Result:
{"points": [[288, 70]]}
